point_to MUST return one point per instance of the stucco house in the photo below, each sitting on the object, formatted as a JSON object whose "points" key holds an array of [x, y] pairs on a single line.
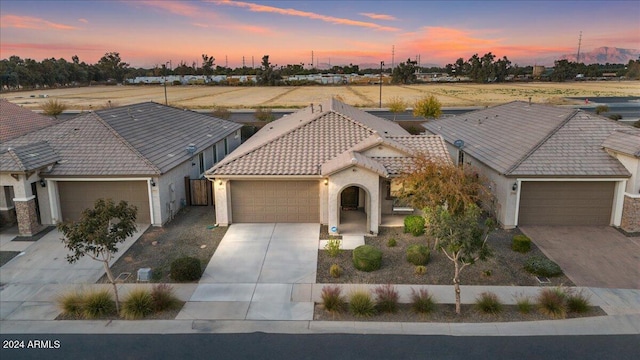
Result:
{"points": [[139, 153], [549, 165], [315, 164]]}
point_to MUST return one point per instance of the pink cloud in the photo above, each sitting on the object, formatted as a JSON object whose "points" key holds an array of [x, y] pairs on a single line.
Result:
{"points": [[33, 23], [306, 14], [84, 21], [379, 16], [175, 7]]}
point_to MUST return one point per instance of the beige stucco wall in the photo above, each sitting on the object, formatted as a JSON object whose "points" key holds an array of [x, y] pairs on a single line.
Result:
{"points": [[355, 176], [632, 164]]}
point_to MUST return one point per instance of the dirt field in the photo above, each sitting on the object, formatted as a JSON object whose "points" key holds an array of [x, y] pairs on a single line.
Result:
{"points": [[207, 97]]}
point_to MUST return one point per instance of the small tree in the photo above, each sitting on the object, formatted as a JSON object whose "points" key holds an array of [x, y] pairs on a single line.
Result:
{"points": [[461, 238], [53, 107], [98, 232], [397, 106], [427, 107]]}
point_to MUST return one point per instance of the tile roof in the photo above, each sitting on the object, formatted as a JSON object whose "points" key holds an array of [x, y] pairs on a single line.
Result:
{"points": [[518, 138], [314, 142], [625, 141], [28, 157], [110, 143], [16, 121]]}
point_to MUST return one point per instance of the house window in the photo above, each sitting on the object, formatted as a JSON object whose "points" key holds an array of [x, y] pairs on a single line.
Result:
{"points": [[201, 162], [215, 154], [460, 158], [237, 135], [226, 147]]}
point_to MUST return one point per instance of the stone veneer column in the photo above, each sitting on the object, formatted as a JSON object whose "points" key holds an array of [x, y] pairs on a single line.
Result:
{"points": [[630, 214], [27, 217]]}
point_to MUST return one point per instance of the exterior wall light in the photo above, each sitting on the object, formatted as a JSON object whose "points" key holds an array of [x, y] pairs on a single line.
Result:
{"points": [[43, 183], [515, 186], [326, 181], [153, 183]]}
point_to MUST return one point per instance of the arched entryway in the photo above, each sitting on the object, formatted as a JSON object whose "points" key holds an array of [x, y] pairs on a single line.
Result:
{"points": [[354, 210]]}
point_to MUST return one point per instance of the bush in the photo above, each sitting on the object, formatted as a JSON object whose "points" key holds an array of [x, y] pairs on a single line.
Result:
{"points": [[221, 112], [71, 303], [332, 298], [335, 271], [263, 114], [542, 266], [98, 304], [414, 224], [578, 302], [367, 258], [489, 303], [387, 298], [551, 302], [418, 254], [137, 304], [333, 247], [186, 269], [524, 304], [521, 243], [422, 302], [392, 242], [163, 297], [361, 304], [420, 270]]}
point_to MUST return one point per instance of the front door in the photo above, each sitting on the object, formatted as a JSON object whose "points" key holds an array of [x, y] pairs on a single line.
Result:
{"points": [[349, 198]]}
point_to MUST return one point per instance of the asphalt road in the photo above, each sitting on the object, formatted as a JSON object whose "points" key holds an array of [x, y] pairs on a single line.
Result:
{"points": [[325, 346]]}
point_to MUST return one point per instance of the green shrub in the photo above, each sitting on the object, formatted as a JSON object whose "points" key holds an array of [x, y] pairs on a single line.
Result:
{"points": [[542, 266], [335, 271], [392, 242], [551, 302], [333, 247], [418, 254], [488, 303], [367, 258], [420, 270], [361, 304], [387, 298], [98, 304], [332, 298], [422, 302], [137, 304], [524, 304], [414, 224], [163, 297], [186, 268], [578, 302], [521, 243], [71, 303]]}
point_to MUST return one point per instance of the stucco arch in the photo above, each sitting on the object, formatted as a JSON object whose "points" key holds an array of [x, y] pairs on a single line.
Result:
{"points": [[364, 179]]}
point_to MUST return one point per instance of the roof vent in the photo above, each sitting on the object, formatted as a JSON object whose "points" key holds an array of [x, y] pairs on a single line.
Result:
{"points": [[191, 148], [312, 108]]}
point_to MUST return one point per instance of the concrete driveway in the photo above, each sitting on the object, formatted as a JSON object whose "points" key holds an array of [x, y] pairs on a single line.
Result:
{"points": [[591, 256], [259, 272]]}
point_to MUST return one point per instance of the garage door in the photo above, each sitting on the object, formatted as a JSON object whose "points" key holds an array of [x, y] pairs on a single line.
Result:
{"points": [[76, 196], [275, 201], [566, 203]]}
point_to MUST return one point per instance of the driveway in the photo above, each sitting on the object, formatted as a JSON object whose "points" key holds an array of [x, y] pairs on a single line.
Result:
{"points": [[591, 256], [259, 272]]}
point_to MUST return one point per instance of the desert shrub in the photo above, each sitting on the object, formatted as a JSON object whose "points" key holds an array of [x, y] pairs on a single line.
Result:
{"points": [[332, 298], [98, 303], [521, 243], [367, 258], [333, 247], [361, 304], [422, 302], [487, 272], [263, 114], [578, 302], [163, 297], [542, 266], [420, 270], [524, 304], [392, 242], [488, 303], [186, 268], [418, 254], [53, 107], [137, 304], [551, 302], [71, 303], [414, 224], [615, 117], [387, 298], [335, 271], [221, 112]]}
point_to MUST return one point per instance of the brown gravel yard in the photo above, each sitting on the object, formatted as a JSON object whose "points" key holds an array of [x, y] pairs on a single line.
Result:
{"points": [[505, 267]]}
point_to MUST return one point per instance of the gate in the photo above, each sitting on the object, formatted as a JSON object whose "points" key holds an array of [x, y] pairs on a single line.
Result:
{"points": [[199, 192]]}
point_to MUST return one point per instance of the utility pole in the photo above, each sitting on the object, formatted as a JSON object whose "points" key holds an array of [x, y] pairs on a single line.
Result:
{"points": [[311, 59], [381, 65], [579, 43], [393, 54], [226, 61], [253, 64], [243, 62]]}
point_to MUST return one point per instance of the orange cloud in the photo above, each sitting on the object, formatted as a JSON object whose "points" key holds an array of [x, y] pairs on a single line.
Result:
{"points": [[379, 16], [33, 23], [310, 15]]}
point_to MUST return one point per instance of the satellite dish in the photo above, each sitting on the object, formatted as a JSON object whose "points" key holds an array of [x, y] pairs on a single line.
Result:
{"points": [[459, 144]]}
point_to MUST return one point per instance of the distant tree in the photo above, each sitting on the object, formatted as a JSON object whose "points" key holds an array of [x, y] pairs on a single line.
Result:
{"points": [[112, 66], [268, 75], [563, 70], [427, 107], [53, 107], [601, 109], [98, 233], [404, 73], [207, 64], [397, 106]]}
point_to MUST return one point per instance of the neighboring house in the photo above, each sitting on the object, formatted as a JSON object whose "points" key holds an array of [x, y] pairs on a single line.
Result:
{"points": [[548, 165], [16, 121], [139, 153], [316, 163]]}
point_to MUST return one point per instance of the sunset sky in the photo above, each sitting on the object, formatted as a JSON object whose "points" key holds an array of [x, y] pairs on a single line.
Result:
{"points": [[146, 33]]}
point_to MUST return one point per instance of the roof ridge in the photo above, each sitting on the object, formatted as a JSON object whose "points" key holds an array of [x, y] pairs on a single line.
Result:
{"points": [[541, 142], [126, 143]]}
